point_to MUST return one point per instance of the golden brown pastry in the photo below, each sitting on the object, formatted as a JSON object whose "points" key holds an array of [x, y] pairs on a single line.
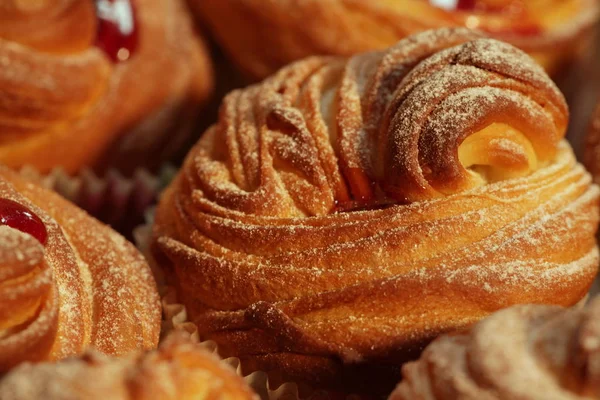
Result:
{"points": [[526, 352], [344, 212], [178, 370], [262, 36], [97, 83], [67, 282]]}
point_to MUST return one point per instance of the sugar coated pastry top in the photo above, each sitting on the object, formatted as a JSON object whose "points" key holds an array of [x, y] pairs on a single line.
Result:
{"points": [[67, 282], [346, 211]]}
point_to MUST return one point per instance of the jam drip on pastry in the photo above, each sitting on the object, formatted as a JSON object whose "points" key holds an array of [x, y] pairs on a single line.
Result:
{"points": [[72, 26], [19, 217], [117, 28]]}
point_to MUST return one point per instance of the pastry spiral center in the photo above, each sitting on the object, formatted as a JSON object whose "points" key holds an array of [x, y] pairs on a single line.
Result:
{"points": [[24, 281], [498, 152]]}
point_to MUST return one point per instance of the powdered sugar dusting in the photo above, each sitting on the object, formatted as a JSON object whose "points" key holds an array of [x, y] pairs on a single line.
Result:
{"points": [[398, 241]]}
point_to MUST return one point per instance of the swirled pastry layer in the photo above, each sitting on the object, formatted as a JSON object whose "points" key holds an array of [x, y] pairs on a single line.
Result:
{"points": [[264, 36], [346, 211], [63, 102], [525, 352], [178, 370], [67, 282]]}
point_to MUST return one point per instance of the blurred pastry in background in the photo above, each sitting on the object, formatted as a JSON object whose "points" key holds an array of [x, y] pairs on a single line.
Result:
{"points": [[67, 282], [584, 103], [526, 352], [98, 83], [178, 370], [262, 36]]}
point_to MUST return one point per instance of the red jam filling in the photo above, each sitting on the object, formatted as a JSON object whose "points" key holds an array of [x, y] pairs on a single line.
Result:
{"points": [[23, 219], [514, 10], [456, 5], [466, 5], [117, 28], [475, 5]]}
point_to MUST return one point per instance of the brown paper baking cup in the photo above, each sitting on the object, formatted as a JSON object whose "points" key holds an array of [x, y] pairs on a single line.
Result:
{"points": [[114, 199], [176, 320]]}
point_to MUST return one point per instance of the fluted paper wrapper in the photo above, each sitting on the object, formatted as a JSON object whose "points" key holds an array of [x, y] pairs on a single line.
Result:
{"points": [[114, 199]]}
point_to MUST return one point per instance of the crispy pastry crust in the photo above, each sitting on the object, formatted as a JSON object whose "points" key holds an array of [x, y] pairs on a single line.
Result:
{"points": [[526, 352], [64, 103], [86, 287], [345, 212], [178, 370], [262, 36]]}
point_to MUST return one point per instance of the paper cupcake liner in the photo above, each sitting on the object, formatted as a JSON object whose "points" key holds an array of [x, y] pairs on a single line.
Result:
{"points": [[112, 198]]}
